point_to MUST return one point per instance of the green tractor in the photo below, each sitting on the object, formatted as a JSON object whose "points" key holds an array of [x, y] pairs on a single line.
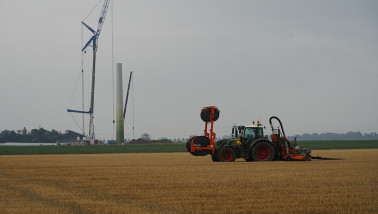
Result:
{"points": [[248, 142]]}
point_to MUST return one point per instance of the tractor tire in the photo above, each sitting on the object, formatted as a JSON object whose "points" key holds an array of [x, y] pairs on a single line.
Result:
{"points": [[263, 151], [226, 154], [214, 158]]}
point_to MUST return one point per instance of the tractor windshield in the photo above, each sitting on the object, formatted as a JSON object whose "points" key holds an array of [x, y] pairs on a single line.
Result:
{"points": [[253, 132]]}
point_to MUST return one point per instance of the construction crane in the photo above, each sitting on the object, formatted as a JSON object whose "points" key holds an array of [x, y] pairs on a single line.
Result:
{"points": [[93, 41]]}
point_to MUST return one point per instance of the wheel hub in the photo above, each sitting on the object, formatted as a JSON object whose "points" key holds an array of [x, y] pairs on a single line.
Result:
{"points": [[226, 156], [263, 153]]}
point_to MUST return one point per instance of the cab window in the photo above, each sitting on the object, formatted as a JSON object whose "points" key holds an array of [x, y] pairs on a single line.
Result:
{"points": [[252, 133], [249, 133], [259, 132]]}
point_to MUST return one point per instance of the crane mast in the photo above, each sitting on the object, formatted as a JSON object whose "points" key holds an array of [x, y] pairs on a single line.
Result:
{"points": [[94, 41]]}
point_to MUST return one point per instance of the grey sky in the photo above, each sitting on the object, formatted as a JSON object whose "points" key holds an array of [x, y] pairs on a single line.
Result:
{"points": [[311, 63]]}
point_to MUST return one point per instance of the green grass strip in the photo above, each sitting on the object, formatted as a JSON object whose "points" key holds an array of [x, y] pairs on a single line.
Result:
{"points": [[339, 144], [93, 149], [153, 148]]}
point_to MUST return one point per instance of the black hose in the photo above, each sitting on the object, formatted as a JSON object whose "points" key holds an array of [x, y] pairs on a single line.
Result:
{"points": [[271, 124], [290, 145]]}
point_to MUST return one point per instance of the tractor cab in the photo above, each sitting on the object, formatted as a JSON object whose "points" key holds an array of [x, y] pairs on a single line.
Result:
{"points": [[252, 132]]}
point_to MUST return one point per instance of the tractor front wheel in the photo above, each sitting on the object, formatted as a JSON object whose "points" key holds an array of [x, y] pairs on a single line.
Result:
{"points": [[263, 151], [214, 157], [226, 154]]}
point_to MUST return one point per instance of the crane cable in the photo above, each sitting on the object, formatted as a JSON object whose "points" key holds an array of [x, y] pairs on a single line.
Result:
{"points": [[92, 10], [76, 122], [72, 100], [74, 92], [73, 96]]}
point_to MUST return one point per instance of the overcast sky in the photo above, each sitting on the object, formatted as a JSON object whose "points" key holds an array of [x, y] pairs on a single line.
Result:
{"points": [[314, 64]]}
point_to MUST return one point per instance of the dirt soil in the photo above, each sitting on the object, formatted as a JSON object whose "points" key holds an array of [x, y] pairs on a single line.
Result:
{"points": [[182, 183]]}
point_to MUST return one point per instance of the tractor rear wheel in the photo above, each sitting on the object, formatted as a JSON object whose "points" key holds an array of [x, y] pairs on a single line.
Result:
{"points": [[263, 151], [226, 154]]}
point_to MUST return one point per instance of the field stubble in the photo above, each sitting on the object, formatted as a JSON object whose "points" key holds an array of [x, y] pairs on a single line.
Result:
{"points": [[181, 183]]}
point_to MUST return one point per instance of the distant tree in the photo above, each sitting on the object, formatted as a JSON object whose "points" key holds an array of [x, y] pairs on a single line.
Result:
{"points": [[24, 131], [164, 140], [5, 136], [335, 136], [35, 135], [52, 135]]}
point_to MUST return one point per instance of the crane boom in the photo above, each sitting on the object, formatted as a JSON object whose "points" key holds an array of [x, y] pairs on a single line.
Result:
{"points": [[94, 41], [101, 20], [96, 34]]}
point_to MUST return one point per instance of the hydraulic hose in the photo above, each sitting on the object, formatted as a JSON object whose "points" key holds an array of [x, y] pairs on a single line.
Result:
{"points": [[271, 124], [282, 129]]}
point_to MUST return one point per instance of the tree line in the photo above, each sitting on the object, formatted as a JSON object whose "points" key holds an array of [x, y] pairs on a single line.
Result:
{"points": [[336, 136], [40, 135]]}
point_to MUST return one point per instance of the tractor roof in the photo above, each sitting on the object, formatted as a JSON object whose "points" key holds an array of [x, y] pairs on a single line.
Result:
{"points": [[254, 126]]}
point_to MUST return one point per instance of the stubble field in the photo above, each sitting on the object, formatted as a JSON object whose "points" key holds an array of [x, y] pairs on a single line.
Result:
{"points": [[181, 183]]}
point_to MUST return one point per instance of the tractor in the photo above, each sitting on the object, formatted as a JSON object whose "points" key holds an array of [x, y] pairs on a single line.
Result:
{"points": [[248, 142]]}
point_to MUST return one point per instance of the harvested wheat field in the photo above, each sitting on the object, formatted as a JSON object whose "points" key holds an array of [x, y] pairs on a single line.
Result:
{"points": [[181, 183]]}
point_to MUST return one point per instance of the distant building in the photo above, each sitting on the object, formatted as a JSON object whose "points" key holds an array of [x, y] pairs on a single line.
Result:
{"points": [[145, 136], [70, 137]]}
